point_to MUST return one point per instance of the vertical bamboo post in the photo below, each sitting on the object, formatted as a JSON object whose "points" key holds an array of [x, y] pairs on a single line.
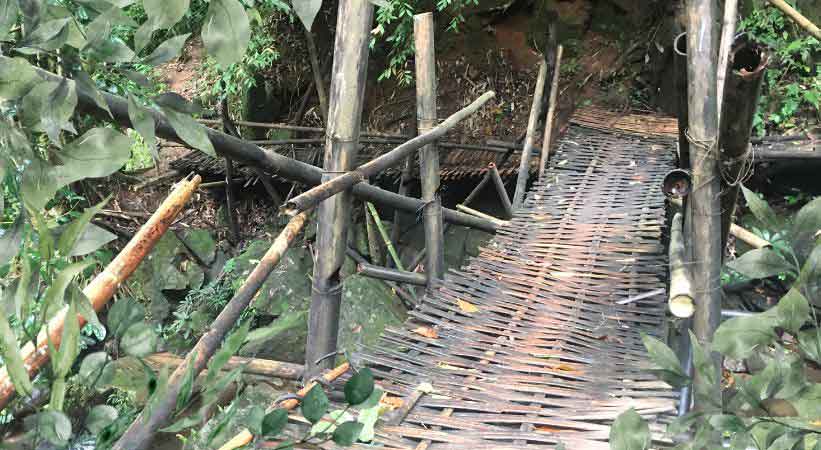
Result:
{"points": [[501, 190], [532, 125], [702, 133], [404, 185], [428, 155], [727, 34], [230, 194], [319, 83], [680, 68], [350, 66], [551, 113]]}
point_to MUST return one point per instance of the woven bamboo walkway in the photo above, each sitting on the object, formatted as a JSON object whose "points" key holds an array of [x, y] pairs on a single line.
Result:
{"points": [[533, 347]]}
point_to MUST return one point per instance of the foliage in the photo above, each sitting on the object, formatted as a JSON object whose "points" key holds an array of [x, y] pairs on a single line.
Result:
{"points": [[792, 85], [775, 406]]}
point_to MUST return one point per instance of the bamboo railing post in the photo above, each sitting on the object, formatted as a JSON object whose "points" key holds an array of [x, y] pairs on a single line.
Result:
{"points": [[680, 69], [342, 140], [530, 136], [141, 432], [704, 199], [100, 290], [319, 83], [405, 177], [741, 99], [428, 155], [500, 189], [726, 44], [551, 113]]}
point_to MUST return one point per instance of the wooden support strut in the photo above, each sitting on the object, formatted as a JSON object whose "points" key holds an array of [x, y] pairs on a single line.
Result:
{"points": [[428, 155], [141, 432], [530, 136], [103, 286], [347, 94], [551, 112], [501, 190]]}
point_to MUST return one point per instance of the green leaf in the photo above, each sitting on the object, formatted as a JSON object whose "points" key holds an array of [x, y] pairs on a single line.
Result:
{"points": [[176, 102], [740, 336], [810, 344], [45, 32], [274, 422], [30, 10], [359, 387], [17, 77], [10, 352], [99, 30], [187, 385], [73, 35], [69, 344], [91, 369], [165, 13], [59, 108], [113, 51], [369, 414], [166, 51], [184, 423], [139, 340], [793, 311], [53, 298], [806, 224], [214, 389], [324, 428], [314, 404], [226, 31], [100, 417], [253, 419], [85, 309], [92, 239], [189, 131], [283, 323], [761, 210], [8, 17], [670, 369], [73, 232], [229, 348], [55, 427], [629, 432], [705, 368], [347, 433], [306, 10], [760, 263], [142, 36], [124, 313], [87, 88], [727, 423], [143, 121], [11, 241]]}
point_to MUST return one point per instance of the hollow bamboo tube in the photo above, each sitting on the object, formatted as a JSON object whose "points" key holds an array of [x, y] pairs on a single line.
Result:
{"points": [[797, 17], [244, 437], [704, 201], [530, 136], [551, 112], [681, 285], [141, 432], [500, 189], [747, 236], [428, 155], [103, 286], [347, 93]]}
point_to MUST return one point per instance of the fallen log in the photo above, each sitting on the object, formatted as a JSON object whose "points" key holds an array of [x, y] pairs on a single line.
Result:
{"points": [[139, 435], [103, 286], [254, 155], [326, 190]]}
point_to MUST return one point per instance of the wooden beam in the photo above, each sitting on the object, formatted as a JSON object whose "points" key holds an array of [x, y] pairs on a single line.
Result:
{"points": [[347, 93]]}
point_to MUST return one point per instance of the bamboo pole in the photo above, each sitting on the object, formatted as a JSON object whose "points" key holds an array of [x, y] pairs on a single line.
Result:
{"points": [[384, 233], [398, 276], [727, 38], [742, 92], [681, 83], [230, 200], [704, 200], [354, 177], [428, 155], [501, 190], [374, 249], [254, 155], [681, 286], [473, 212], [319, 83], [244, 437], [787, 155], [405, 179], [103, 286], [342, 141], [530, 136], [551, 112], [141, 432], [797, 17], [747, 236], [251, 366]]}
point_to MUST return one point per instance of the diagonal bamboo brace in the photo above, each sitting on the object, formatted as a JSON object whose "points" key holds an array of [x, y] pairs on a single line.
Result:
{"points": [[103, 286]]}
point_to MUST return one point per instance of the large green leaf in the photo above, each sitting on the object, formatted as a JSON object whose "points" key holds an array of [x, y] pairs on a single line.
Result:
{"points": [[347, 433], [359, 387], [53, 298], [125, 312], [793, 311], [71, 234], [55, 427], [806, 224], [314, 404], [10, 352], [99, 30], [670, 369], [178, 103], [86, 87], [629, 432], [740, 336], [17, 77], [189, 131], [704, 367], [30, 10], [92, 369], [166, 51], [143, 121], [139, 340], [8, 16], [47, 35], [10, 241], [165, 13], [86, 309], [57, 111], [74, 36], [69, 344], [230, 347], [113, 51], [226, 31], [274, 422], [761, 263], [187, 385], [92, 239], [761, 210], [100, 417], [306, 10]]}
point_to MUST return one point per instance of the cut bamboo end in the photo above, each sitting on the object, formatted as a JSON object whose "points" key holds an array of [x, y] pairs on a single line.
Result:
{"points": [[496, 221], [682, 306], [748, 237]]}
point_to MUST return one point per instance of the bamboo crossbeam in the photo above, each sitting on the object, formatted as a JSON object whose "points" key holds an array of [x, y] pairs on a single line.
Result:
{"points": [[139, 435], [103, 286], [398, 276], [551, 112], [473, 212], [254, 155], [797, 17], [324, 191]]}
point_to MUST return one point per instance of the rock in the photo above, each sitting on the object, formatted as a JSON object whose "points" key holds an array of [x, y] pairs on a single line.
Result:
{"points": [[201, 243]]}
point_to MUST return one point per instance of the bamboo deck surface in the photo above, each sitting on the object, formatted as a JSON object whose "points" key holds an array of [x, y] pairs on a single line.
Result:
{"points": [[547, 355]]}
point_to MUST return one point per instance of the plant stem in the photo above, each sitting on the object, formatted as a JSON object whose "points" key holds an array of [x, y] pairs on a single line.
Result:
{"points": [[385, 237]]}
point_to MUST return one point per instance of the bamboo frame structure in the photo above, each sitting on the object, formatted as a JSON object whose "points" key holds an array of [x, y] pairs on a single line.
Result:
{"points": [[681, 286], [347, 94], [140, 433], [100, 290], [500, 189], [530, 136], [551, 112], [428, 154], [704, 201]]}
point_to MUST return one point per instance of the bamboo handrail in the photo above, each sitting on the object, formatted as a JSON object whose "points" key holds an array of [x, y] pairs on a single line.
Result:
{"points": [[100, 290]]}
